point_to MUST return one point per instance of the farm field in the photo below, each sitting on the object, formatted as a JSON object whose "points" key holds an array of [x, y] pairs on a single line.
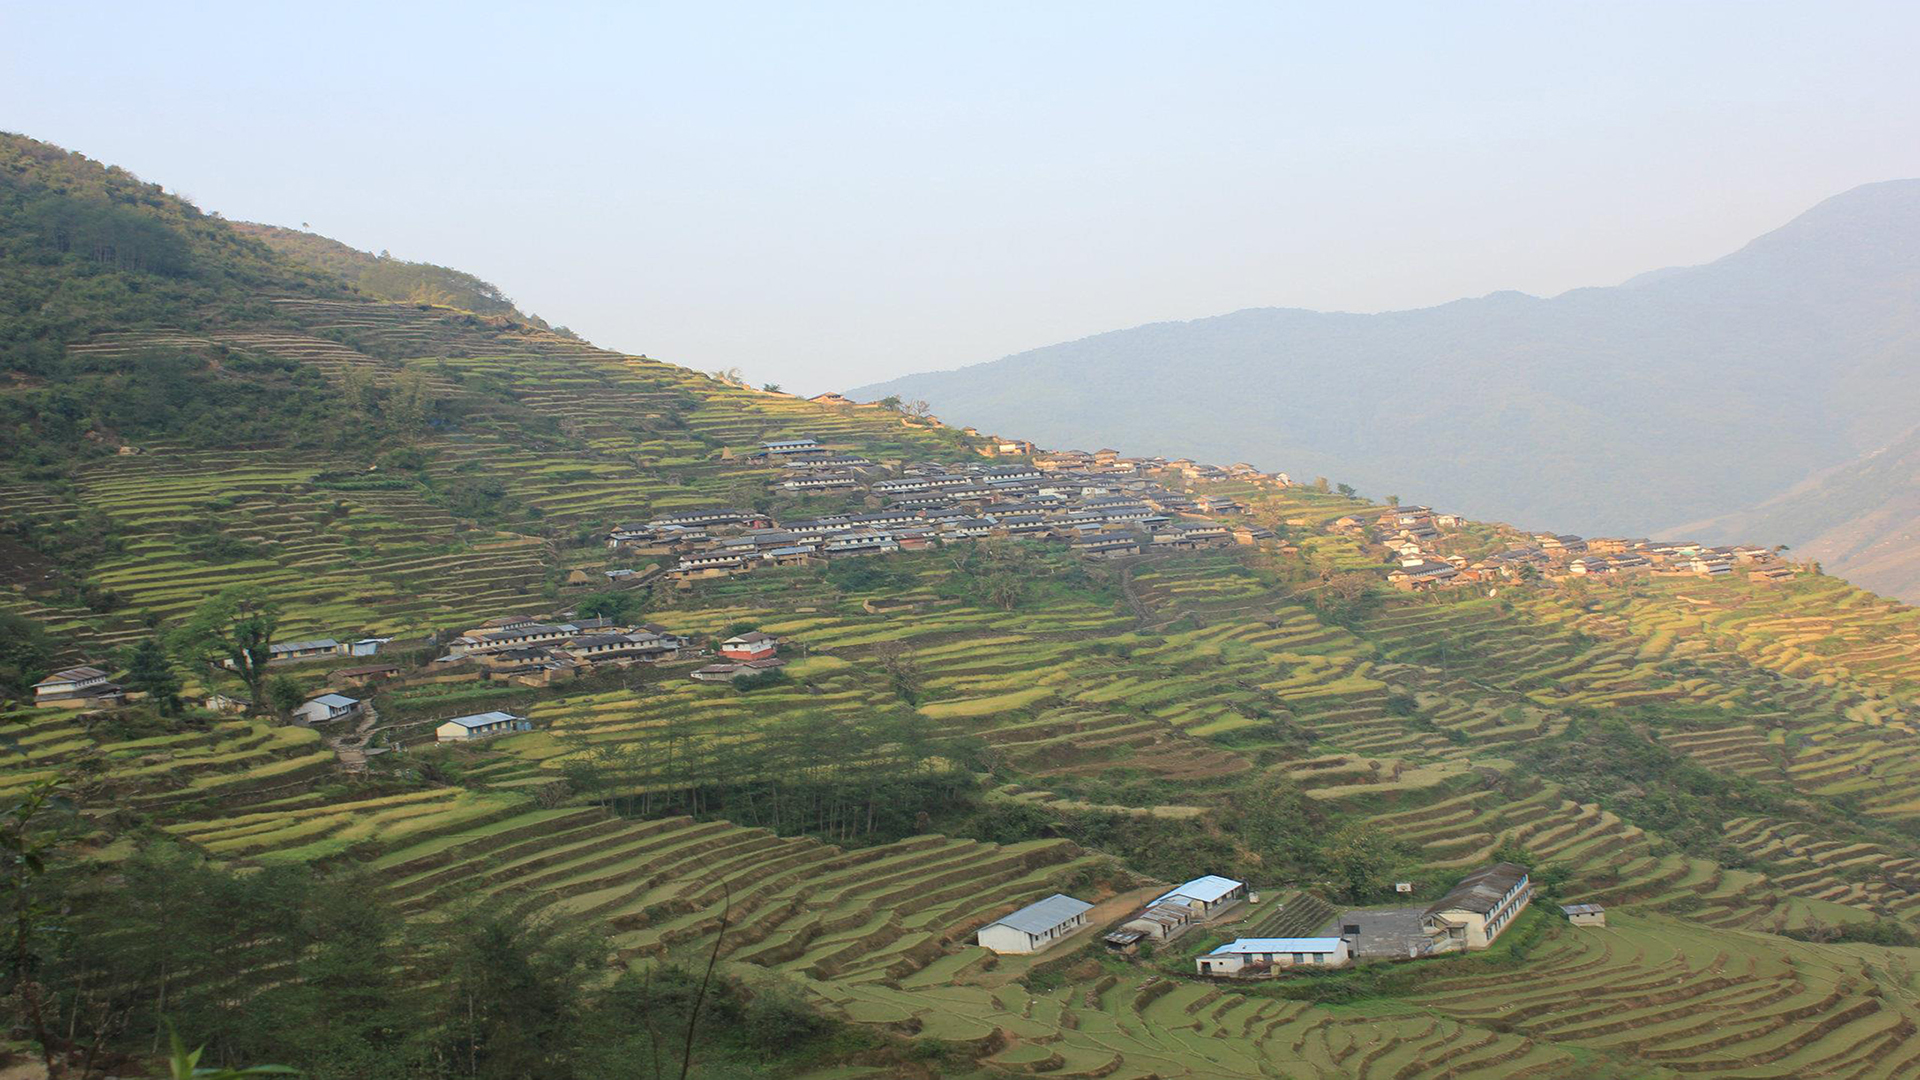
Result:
{"points": [[963, 727]]}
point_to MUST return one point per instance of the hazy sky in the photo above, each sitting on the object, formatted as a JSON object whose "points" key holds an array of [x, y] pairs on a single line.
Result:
{"points": [[829, 194]]}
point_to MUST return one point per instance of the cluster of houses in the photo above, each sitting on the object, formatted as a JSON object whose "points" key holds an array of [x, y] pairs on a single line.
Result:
{"points": [[1471, 916], [526, 651], [1413, 535], [1100, 504], [1172, 913]]}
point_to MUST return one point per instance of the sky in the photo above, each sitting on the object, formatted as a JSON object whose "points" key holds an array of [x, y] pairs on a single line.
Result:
{"points": [[830, 194]]}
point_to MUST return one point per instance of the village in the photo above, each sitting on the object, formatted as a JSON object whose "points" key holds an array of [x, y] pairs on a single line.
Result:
{"points": [[1470, 917], [1099, 505], [1105, 506]]}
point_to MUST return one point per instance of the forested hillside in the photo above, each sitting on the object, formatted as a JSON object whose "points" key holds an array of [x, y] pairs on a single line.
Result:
{"points": [[384, 277], [1100, 677], [1678, 396]]}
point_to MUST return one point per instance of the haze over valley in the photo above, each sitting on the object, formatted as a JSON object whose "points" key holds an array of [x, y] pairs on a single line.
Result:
{"points": [[1727, 397], [484, 594]]}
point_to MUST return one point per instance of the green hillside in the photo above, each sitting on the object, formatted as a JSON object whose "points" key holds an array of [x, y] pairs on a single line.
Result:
{"points": [[962, 727], [383, 277]]}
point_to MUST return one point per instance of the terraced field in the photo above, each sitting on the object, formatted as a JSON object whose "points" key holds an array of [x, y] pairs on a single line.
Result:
{"points": [[226, 763], [791, 904], [1202, 674], [574, 433], [1690, 1000], [1127, 1026]]}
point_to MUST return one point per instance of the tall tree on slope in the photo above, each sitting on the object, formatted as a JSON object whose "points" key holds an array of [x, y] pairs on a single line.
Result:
{"points": [[235, 628]]}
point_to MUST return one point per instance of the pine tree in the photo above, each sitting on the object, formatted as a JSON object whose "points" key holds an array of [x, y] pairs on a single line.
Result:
{"points": [[150, 669]]}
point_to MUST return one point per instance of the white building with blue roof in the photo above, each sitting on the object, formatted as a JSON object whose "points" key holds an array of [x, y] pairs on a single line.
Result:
{"points": [[1036, 926], [1207, 896], [1249, 956], [480, 726], [327, 707]]}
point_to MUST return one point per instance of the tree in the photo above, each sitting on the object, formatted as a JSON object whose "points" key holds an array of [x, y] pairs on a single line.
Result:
{"points": [[510, 993], [891, 403], [902, 667], [1320, 484], [27, 845], [234, 628], [150, 670], [285, 695], [771, 388], [1393, 500], [408, 403], [609, 605], [1360, 857], [1345, 489], [25, 652]]}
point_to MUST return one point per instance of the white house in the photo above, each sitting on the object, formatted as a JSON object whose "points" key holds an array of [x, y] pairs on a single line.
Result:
{"points": [[289, 652], [74, 686], [1162, 921], [480, 726], [1479, 908], [1207, 896], [1260, 955], [326, 707], [1036, 926], [752, 645], [1584, 914]]}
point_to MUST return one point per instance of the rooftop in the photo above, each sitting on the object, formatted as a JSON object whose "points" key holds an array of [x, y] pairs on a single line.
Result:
{"points": [[72, 674], [1481, 890], [1043, 915], [1279, 945], [1204, 889], [484, 719]]}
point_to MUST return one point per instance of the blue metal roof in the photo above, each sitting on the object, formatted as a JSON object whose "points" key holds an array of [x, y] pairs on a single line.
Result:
{"points": [[481, 719], [1279, 945], [1204, 889], [1043, 915]]}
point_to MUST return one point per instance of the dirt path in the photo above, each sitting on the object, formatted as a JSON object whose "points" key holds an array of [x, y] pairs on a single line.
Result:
{"points": [[351, 747]]}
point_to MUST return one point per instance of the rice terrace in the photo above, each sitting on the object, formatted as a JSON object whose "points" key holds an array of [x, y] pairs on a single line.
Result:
{"points": [[398, 685]]}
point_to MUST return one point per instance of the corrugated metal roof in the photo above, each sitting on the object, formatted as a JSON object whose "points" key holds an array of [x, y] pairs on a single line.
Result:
{"points": [[481, 719], [1205, 889], [1043, 915], [336, 701], [1582, 909], [1279, 945], [1480, 892], [304, 646]]}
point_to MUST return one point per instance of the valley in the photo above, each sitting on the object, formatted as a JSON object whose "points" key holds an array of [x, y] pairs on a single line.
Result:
{"points": [[994, 671]]}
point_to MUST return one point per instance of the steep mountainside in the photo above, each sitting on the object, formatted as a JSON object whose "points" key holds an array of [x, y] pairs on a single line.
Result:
{"points": [[383, 277], [186, 407], [1676, 396], [984, 714]]}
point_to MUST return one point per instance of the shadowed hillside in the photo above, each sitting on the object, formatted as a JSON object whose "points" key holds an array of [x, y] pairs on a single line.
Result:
{"points": [[1860, 520]]}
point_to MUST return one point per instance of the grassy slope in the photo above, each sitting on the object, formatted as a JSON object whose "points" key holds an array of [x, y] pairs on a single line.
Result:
{"points": [[1224, 675]]}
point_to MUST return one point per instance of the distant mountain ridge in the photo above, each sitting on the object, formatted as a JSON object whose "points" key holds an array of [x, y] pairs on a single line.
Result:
{"points": [[1679, 396]]}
